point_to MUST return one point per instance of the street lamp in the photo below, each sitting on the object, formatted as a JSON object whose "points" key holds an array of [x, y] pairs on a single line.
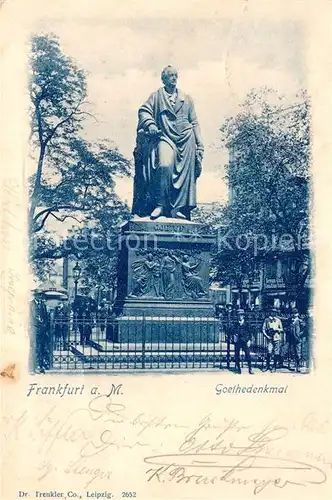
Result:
{"points": [[76, 274], [99, 287]]}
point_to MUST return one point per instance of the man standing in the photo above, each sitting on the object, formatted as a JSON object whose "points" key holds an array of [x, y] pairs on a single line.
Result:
{"points": [[296, 331], [61, 326], [311, 338], [87, 321], [272, 331], [242, 340], [168, 154], [101, 316], [40, 333]]}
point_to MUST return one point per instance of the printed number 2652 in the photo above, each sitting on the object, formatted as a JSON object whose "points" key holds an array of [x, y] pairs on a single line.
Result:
{"points": [[128, 494]]}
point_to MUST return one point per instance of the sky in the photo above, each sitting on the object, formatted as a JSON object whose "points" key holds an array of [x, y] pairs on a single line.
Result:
{"points": [[219, 62]]}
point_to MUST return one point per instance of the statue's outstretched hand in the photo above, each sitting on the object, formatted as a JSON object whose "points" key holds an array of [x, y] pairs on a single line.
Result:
{"points": [[153, 129]]}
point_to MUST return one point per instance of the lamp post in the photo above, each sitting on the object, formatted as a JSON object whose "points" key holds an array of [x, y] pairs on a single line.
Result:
{"points": [[250, 283], [76, 274], [98, 287]]}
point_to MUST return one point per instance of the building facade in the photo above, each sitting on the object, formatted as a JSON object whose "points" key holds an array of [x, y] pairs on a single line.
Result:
{"points": [[275, 284]]}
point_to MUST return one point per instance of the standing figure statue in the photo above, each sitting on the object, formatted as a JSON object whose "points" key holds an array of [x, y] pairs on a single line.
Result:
{"points": [[168, 268], [192, 282], [168, 154], [146, 277]]}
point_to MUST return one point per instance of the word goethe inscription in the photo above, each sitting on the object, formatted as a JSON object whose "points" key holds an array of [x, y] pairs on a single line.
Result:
{"points": [[162, 227]]}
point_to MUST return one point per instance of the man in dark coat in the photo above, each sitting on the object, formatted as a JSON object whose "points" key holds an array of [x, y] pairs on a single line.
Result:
{"points": [[61, 326], [40, 333], [296, 334], [311, 339], [102, 316], [88, 320], [241, 337], [168, 154]]}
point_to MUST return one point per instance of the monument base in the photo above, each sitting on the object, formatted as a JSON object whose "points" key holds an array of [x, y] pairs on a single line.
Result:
{"points": [[163, 329], [163, 283]]}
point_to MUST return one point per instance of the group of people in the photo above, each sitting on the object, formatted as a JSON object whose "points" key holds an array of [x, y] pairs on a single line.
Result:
{"points": [[86, 315], [279, 340], [50, 326]]}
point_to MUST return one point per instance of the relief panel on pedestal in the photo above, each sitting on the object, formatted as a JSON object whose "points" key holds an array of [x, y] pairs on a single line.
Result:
{"points": [[169, 274]]}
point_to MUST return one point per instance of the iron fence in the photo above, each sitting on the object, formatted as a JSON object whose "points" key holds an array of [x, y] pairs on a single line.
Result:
{"points": [[157, 343]]}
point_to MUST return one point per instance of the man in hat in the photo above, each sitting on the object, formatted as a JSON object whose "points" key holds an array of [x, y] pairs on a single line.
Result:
{"points": [[61, 324], [241, 336], [311, 338], [273, 331], [296, 333], [102, 316], [40, 332]]}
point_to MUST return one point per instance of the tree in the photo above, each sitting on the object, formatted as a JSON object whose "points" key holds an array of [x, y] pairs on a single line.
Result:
{"points": [[74, 178], [82, 184], [268, 175], [97, 248], [213, 220], [211, 217], [57, 92]]}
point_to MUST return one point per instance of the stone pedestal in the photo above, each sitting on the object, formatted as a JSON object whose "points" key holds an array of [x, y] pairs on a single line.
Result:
{"points": [[163, 282]]}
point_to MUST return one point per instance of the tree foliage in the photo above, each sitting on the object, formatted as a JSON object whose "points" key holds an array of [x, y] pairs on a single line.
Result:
{"points": [[74, 178], [269, 178], [57, 92], [97, 247]]}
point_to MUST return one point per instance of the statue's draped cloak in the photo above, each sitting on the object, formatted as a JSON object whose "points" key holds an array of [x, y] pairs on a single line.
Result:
{"points": [[177, 125]]}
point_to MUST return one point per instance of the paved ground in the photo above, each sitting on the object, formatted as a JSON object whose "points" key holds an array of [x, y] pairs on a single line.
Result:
{"points": [[86, 357], [100, 354]]}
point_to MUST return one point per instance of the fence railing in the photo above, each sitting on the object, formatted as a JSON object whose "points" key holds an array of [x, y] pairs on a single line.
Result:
{"points": [[146, 342]]}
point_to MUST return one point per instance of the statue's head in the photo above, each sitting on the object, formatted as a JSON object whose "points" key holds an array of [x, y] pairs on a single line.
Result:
{"points": [[169, 76]]}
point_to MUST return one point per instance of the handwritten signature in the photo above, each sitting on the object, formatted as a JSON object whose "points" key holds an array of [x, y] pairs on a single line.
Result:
{"points": [[228, 461], [210, 452], [80, 467]]}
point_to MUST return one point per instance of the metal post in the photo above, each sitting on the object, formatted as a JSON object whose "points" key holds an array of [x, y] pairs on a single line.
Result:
{"points": [[143, 340], [75, 307], [228, 334], [51, 344]]}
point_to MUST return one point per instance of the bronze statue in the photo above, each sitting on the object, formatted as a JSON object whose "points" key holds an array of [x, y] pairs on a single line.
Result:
{"points": [[168, 154]]}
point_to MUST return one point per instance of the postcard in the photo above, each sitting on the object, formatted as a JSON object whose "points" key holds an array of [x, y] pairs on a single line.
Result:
{"points": [[165, 270]]}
